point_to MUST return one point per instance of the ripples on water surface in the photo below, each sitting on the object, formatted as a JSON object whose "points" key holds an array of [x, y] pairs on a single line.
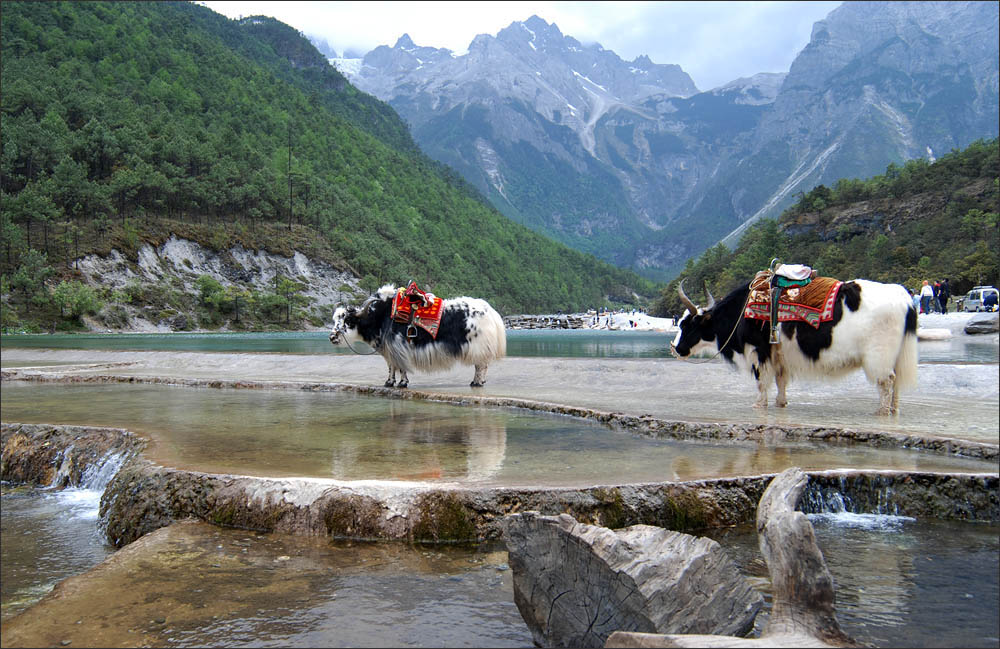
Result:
{"points": [[900, 583], [47, 536]]}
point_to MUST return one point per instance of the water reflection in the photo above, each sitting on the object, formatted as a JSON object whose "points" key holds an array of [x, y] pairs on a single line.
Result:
{"points": [[287, 433], [288, 342], [421, 443]]}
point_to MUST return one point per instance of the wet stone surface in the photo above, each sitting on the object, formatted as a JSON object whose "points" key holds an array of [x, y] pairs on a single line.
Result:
{"points": [[193, 584]]}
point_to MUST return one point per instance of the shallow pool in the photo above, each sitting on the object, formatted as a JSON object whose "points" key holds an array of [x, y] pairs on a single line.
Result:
{"points": [[899, 582], [285, 433]]}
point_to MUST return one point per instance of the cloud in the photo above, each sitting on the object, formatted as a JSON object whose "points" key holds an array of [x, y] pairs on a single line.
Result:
{"points": [[714, 42]]}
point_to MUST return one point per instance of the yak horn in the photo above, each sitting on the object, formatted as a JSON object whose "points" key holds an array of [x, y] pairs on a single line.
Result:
{"points": [[711, 300], [685, 300], [366, 305]]}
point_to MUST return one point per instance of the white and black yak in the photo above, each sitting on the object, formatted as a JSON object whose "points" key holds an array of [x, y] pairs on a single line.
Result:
{"points": [[470, 332], [873, 327]]}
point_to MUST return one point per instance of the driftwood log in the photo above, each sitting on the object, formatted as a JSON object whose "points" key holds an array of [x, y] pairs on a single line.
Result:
{"points": [[802, 613], [575, 584]]}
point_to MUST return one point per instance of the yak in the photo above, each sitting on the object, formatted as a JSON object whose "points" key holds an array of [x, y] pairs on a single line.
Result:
{"points": [[874, 328], [470, 332]]}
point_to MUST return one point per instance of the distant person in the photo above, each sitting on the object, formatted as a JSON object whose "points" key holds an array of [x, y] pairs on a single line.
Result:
{"points": [[990, 301], [915, 298], [944, 293], [926, 295], [934, 303]]}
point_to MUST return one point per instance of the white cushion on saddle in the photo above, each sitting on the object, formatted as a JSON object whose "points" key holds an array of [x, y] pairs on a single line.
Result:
{"points": [[794, 271]]}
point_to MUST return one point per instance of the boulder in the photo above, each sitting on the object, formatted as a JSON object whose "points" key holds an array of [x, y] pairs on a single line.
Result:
{"points": [[983, 323], [179, 323], [575, 584], [802, 609]]}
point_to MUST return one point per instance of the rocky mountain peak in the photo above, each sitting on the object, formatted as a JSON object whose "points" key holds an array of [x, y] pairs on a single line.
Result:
{"points": [[629, 160], [404, 42], [757, 90], [890, 32], [643, 62], [535, 32]]}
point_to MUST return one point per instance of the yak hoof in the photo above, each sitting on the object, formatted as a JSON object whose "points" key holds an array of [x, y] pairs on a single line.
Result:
{"points": [[760, 406], [476, 384], [402, 384], [389, 383], [780, 404]]}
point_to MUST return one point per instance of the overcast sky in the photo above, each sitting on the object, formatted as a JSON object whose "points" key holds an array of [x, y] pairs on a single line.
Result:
{"points": [[714, 42]]}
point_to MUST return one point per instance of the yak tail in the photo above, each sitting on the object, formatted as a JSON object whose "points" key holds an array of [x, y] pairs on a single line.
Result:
{"points": [[906, 361], [499, 334]]}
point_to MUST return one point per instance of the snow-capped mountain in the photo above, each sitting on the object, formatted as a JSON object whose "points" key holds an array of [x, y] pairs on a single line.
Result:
{"points": [[629, 161]]}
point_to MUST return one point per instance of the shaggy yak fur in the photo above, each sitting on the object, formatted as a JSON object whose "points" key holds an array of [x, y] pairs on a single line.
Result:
{"points": [[874, 328], [471, 332]]}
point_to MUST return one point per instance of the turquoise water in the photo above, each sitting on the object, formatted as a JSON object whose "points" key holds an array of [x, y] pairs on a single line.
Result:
{"points": [[539, 343], [572, 343]]}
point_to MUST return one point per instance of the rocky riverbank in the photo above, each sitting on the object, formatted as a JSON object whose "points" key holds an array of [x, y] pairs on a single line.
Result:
{"points": [[575, 321], [609, 320]]}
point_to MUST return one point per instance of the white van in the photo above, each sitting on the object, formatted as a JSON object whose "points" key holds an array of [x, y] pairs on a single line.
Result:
{"points": [[973, 300]]}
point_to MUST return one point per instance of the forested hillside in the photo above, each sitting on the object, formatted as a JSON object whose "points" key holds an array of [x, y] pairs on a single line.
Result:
{"points": [[126, 123], [919, 221]]}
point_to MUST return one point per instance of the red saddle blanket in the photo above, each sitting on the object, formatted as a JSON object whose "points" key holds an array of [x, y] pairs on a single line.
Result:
{"points": [[412, 306], [812, 303]]}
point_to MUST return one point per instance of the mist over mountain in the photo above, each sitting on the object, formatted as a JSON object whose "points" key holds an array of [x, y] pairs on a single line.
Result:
{"points": [[628, 160]]}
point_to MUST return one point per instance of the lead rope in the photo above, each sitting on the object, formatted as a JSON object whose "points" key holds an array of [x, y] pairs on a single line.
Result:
{"points": [[699, 361], [351, 347]]}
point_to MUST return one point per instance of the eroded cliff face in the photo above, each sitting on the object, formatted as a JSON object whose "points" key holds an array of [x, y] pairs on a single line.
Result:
{"points": [[876, 216], [177, 264]]}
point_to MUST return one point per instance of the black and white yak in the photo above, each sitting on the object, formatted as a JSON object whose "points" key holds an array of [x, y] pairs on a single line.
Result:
{"points": [[874, 328], [471, 332]]}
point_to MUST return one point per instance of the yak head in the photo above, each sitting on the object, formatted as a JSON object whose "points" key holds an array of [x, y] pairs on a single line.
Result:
{"points": [[347, 320], [364, 323], [696, 331]]}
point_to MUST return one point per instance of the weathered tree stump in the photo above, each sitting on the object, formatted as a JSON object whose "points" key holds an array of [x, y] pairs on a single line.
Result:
{"points": [[575, 584], [802, 613]]}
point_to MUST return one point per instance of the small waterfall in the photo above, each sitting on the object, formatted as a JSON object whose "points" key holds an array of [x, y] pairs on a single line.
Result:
{"points": [[62, 476], [83, 500], [859, 495], [97, 476], [862, 502]]}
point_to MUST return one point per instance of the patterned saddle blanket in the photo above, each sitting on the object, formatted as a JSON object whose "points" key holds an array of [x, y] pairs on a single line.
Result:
{"points": [[411, 306], [812, 303]]}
